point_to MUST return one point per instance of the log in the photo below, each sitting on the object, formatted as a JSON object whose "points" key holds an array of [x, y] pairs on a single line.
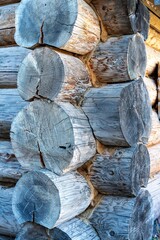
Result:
{"points": [[154, 190], [123, 218], [153, 58], [74, 229], [70, 25], [10, 169], [8, 224], [46, 199], [9, 67], [154, 136], [123, 173], [56, 136], [11, 104], [5, 2], [6, 238], [154, 152], [49, 74], [153, 39], [152, 89], [120, 59], [119, 114], [123, 17]]}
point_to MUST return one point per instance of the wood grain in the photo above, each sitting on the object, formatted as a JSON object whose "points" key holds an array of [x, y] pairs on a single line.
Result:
{"points": [[70, 25], [50, 200], [153, 39], [119, 114], [154, 153]]}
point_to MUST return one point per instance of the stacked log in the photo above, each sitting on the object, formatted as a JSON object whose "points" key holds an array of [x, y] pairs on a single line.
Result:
{"points": [[72, 102]]}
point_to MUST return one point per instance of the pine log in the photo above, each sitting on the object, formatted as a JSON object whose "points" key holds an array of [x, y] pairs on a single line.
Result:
{"points": [[154, 190], [154, 136], [5, 2], [123, 218], [120, 59], [152, 89], [75, 229], [123, 17], [119, 114], [153, 58], [70, 25], [10, 60], [46, 199], [49, 74], [154, 153], [52, 135], [10, 169], [123, 173], [8, 224], [153, 39], [10, 105]]}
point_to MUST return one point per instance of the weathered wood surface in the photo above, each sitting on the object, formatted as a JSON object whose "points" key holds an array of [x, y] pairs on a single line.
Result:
{"points": [[6, 238], [8, 223], [123, 218], [70, 25], [10, 104], [46, 199], [10, 169], [119, 114], [154, 136], [49, 74], [123, 173], [154, 22], [123, 17], [154, 152], [75, 229], [52, 135], [119, 59], [5, 2], [151, 5], [154, 190], [153, 58], [152, 89], [10, 61], [153, 39]]}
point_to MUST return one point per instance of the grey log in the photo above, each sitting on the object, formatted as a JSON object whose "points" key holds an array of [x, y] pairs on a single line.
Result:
{"points": [[117, 218], [119, 114], [154, 190], [56, 136], [119, 59], [123, 173], [2, 237], [10, 105], [48, 200], [69, 25], [74, 229], [121, 17], [8, 224], [11, 58], [10, 169], [49, 74]]}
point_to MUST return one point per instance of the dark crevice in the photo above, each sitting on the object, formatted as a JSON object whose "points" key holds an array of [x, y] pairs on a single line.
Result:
{"points": [[41, 34], [41, 156]]}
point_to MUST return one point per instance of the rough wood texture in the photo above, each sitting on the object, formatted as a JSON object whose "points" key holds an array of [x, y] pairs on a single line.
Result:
{"points": [[154, 136], [123, 218], [119, 114], [154, 190], [153, 39], [123, 173], [10, 105], [153, 58], [11, 58], [50, 200], [154, 22], [152, 89], [52, 135], [154, 152], [119, 59], [70, 25], [5, 2], [123, 17], [8, 223], [75, 229], [49, 74], [10, 169], [155, 9], [6, 238]]}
